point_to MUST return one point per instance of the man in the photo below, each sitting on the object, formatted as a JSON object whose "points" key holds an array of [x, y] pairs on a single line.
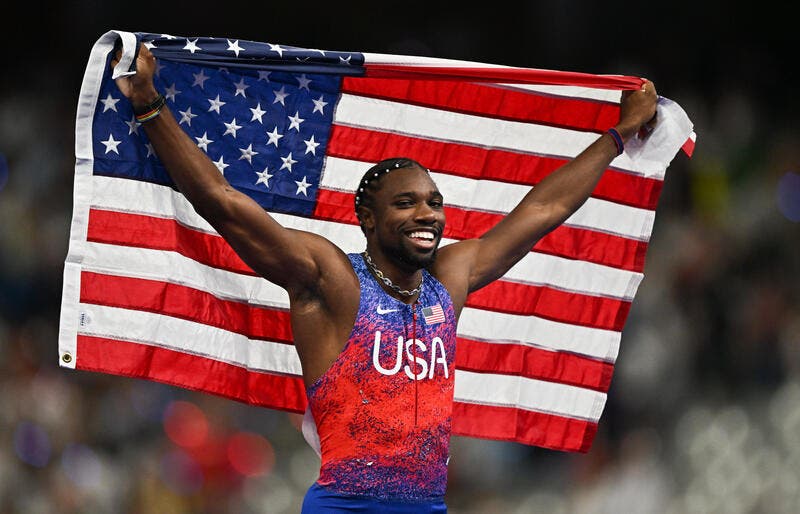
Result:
{"points": [[375, 332]]}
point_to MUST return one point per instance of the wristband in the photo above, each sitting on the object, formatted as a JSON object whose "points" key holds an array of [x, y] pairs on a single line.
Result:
{"points": [[617, 140], [151, 110]]}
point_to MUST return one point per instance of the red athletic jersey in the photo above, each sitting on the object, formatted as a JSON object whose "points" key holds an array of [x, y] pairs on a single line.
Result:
{"points": [[382, 410]]}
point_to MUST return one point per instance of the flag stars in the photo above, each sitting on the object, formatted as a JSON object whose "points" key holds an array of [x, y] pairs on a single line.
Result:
{"points": [[311, 145], [302, 187], [234, 47], [303, 81], [287, 162], [110, 103], [172, 92], [258, 113], [295, 121], [203, 142], [345, 60], [319, 105], [200, 79], [150, 150], [220, 164], [192, 45], [248, 153], [240, 87], [186, 116], [215, 104], [276, 48], [274, 137], [263, 75], [280, 96], [133, 126], [111, 145], [231, 128], [263, 177]]}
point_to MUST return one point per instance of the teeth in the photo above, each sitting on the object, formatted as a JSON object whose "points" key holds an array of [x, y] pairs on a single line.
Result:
{"points": [[422, 235]]}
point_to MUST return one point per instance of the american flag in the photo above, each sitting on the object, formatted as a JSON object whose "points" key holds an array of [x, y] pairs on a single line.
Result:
{"points": [[433, 314], [151, 290]]}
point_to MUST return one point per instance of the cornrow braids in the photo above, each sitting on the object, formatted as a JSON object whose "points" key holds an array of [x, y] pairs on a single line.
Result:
{"points": [[370, 182]]}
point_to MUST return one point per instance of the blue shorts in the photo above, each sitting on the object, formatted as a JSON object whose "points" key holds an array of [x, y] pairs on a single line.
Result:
{"points": [[320, 500]]}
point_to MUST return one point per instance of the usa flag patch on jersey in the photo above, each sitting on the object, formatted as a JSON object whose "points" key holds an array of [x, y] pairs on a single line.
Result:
{"points": [[433, 314]]}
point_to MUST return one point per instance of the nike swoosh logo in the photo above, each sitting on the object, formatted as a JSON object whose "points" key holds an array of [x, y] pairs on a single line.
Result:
{"points": [[384, 311]]}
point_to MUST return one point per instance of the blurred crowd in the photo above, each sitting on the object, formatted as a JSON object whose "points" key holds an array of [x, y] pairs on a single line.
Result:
{"points": [[703, 414]]}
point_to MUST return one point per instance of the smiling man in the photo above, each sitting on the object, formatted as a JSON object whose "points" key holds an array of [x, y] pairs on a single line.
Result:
{"points": [[375, 331]]}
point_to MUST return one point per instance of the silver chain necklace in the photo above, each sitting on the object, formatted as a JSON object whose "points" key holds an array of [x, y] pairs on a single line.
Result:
{"points": [[388, 282]]}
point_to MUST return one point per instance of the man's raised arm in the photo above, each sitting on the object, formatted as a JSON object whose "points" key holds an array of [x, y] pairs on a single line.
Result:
{"points": [[548, 204], [289, 258]]}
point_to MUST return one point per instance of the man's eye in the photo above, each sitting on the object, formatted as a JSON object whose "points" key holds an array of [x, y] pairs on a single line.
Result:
{"points": [[403, 203]]}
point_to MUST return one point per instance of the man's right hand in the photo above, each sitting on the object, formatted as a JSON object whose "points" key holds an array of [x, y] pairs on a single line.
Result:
{"points": [[139, 87]]}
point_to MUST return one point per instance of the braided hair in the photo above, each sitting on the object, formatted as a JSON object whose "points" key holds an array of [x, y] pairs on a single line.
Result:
{"points": [[370, 182]]}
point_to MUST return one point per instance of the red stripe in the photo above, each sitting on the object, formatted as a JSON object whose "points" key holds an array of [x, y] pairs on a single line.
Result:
{"points": [[491, 101], [126, 229], [478, 162], [186, 303], [531, 362], [522, 426], [565, 241], [688, 146], [546, 302], [190, 371], [504, 74]]}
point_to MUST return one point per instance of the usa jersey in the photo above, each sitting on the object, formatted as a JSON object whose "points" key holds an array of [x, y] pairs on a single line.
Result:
{"points": [[383, 409]]}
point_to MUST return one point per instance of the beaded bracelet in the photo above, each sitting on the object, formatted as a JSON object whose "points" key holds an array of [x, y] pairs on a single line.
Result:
{"points": [[151, 110], [617, 140]]}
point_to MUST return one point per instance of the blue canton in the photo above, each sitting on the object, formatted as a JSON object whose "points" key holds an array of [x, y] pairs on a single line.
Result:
{"points": [[262, 113]]}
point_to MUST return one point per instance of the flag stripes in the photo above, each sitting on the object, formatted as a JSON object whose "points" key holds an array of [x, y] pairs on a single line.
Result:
{"points": [[117, 356], [478, 162], [501, 296], [492, 101]]}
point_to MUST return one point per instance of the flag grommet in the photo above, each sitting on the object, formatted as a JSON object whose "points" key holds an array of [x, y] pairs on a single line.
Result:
{"points": [[66, 358]]}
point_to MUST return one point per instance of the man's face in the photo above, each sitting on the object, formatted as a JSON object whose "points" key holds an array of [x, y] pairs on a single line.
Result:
{"points": [[409, 217]]}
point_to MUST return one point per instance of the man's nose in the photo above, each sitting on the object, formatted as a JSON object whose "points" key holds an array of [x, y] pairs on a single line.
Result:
{"points": [[425, 213]]}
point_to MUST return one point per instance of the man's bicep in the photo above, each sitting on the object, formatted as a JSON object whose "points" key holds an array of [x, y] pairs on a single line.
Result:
{"points": [[487, 259], [279, 254], [456, 266]]}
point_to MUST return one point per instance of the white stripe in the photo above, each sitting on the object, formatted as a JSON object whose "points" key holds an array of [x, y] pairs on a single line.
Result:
{"points": [[441, 125], [174, 268], [575, 276], [190, 337], [378, 58], [538, 332], [499, 197], [579, 92], [534, 268], [529, 394]]}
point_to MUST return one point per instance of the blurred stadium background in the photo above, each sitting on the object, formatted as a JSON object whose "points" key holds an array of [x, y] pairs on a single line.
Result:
{"points": [[703, 414]]}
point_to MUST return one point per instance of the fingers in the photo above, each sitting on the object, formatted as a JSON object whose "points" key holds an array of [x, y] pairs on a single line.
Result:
{"points": [[115, 60], [648, 87]]}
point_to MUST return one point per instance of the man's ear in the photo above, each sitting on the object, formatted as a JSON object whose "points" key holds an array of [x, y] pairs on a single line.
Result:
{"points": [[366, 217]]}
